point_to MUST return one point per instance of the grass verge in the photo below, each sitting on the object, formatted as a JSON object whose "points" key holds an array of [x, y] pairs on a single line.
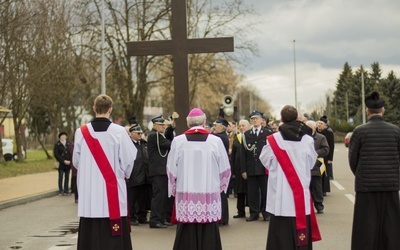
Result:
{"points": [[36, 162]]}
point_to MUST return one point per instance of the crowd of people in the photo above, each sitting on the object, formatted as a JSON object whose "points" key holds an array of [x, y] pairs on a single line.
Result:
{"points": [[272, 167]]}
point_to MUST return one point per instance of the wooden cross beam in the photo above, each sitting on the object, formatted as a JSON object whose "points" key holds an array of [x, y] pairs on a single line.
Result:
{"points": [[179, 47]]}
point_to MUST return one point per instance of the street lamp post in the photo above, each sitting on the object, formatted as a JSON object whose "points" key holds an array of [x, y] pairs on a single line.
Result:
{"points": [[295, 84], [363, 95], [103, 61]]}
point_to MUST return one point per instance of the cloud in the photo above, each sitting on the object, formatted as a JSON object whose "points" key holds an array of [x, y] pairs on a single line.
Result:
{"points": [[327, 34]]}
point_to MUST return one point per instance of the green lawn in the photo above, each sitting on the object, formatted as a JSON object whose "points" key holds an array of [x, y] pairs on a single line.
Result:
{"points": [[35, 162]]}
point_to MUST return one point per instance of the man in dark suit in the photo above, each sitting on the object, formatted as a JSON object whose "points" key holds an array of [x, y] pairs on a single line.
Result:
{"points": [[322, 149], [137, 182], [324, 129], [219, 129], [158, 145], [252, 169]]}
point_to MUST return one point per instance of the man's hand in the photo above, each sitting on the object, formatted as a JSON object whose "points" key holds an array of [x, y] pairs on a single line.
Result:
{"points": [[244, 175], [174, 116], [67, 162]]}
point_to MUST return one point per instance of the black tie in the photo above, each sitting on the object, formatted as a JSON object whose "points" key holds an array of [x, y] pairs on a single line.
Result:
{"points": [[256, 131]]}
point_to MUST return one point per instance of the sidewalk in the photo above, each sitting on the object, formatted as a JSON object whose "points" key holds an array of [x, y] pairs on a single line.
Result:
{"points": [[27, 188]]}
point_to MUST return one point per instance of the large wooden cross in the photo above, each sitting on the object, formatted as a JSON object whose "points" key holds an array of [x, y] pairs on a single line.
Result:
{"points": [[179, 47]]}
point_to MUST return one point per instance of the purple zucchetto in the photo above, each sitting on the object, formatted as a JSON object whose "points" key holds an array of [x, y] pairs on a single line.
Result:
{"points": [[195, 112]]}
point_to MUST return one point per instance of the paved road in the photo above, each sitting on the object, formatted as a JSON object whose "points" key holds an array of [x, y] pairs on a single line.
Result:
{"points": [[50, 224]]}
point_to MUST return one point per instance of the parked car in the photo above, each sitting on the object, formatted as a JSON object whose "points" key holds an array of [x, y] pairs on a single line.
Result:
{"points": [[9, 151], [347, 139]]}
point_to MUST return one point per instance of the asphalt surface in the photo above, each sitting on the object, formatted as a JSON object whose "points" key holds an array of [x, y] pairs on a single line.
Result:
{"points": [[31, 219]]}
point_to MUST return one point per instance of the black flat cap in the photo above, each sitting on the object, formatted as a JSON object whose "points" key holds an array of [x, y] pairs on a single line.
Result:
{"points": [[222, 122], [62, 133]]}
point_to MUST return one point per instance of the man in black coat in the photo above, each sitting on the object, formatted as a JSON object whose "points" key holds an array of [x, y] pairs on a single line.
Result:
{"points": [[219, 129], [240, 182], [137, 182], [374, 159], [252, 169], [158, 145], [322, 149], [324, 129], [62, 153]]}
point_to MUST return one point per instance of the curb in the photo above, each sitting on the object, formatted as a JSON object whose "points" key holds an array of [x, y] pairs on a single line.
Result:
{"points": [[27, 199]]}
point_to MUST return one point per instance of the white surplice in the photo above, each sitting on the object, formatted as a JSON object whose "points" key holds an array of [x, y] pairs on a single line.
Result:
{"points": [[280, 201], [93, 202], [198, 171]]}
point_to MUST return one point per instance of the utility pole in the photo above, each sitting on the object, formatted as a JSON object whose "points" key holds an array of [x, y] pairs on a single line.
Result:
{"points": [[347, 107], [363, 95], [295, 84], [103, 61]]}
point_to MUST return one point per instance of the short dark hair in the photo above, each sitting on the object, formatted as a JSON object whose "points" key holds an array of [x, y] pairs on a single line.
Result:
{"points": [[375, 111], [288, 113], [102, 104]]}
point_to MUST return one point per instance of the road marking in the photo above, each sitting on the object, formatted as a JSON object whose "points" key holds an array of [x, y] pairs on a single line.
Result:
{"points": [[351, 198], [59, 248], [338, 186]]}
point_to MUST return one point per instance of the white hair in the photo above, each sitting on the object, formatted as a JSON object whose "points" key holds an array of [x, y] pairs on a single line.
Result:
{"points": [[244, 121], [195, 120], [311, 124], [246, 124]]}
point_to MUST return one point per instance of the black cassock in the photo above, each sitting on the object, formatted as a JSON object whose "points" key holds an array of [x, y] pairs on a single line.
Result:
{"points": [[376, 219], [224, 197]]}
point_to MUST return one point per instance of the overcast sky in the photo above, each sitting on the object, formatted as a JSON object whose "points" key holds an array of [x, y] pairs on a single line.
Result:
{"points": [[328, 33]]}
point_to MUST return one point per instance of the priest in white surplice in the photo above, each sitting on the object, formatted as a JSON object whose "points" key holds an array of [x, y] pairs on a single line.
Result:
{"points": [[289, 156], [198, 171], [104, 156]]}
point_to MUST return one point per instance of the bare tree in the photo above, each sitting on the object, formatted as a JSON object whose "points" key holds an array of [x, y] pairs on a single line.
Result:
{"points": [[132, 79], [16, 17]]}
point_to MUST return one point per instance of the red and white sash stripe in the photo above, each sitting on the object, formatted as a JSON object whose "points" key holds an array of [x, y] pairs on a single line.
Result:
{"points": [[298, 194], [110, 180]]}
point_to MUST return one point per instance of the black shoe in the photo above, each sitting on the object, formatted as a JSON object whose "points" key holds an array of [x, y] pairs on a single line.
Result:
{"points": [[167, 223], [320, 211], [134, 223], [252, 218], [239, 216], [267, 218], [158, 225], [143, 221], [324, 194]]}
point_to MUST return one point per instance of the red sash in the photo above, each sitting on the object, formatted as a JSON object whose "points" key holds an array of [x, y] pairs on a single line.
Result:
{"points": [[110, 179], [298, 194], [196, 131]]}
